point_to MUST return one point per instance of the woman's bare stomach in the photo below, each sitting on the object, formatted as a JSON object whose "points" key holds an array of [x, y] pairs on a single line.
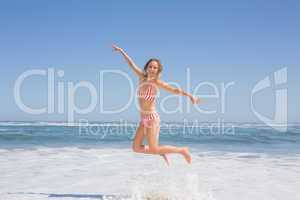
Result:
{"points": [[146, 107]]}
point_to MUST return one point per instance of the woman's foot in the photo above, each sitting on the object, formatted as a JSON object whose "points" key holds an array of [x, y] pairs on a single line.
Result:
{"points": [[165, 158], [186, 153]]}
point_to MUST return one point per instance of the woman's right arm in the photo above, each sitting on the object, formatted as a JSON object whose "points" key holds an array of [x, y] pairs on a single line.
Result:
{"points": [[130, 62]]}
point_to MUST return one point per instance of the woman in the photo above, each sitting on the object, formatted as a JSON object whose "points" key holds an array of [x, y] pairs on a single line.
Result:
{"points": [[149, 84]]}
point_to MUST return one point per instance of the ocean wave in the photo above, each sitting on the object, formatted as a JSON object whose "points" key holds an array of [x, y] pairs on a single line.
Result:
{"points": [[68, 124], [110, 133]]}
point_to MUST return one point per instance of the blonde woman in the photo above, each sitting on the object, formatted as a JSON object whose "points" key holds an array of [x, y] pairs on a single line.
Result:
{"points": [[149, 126]]}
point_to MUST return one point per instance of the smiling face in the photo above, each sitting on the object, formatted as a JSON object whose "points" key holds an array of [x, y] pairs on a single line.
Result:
{"points": [[153, 68]]}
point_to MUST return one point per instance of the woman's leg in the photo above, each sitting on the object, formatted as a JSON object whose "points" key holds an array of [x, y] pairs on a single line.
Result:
{"points": [[138, 146], [152, 134]]}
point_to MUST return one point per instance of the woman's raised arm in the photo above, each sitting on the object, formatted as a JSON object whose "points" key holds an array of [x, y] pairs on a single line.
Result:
{"points": [[174, 90], [130, 62]]}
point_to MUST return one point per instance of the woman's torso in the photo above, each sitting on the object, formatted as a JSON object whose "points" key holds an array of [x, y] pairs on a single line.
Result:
{"points": [[146, 93]]}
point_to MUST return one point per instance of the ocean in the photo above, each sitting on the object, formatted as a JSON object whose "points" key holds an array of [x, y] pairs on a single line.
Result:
{"points": [[56, 160]]}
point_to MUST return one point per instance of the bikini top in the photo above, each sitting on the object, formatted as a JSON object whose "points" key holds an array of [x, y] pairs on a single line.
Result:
{"points": [[147, 91]]}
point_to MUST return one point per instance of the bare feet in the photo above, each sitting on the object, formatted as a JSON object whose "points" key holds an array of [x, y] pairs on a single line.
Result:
{"points": [[186, 153], [165, 158]]}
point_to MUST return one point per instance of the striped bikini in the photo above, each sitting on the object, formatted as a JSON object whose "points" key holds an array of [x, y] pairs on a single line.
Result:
{"points": [[148, 93]]}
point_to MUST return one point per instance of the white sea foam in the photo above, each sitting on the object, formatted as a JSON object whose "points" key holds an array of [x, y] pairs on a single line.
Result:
{"points": [[70, 172]]}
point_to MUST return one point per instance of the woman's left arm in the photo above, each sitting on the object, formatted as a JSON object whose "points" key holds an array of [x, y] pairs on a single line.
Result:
{"points": [[174, 90]]}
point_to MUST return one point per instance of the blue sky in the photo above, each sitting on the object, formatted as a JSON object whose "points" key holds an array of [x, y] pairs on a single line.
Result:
{"points": [[219, 41]]}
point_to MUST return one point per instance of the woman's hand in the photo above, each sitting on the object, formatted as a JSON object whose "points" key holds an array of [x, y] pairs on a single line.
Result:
{"points": [[195, 100], [130, 62], [116, 48]]}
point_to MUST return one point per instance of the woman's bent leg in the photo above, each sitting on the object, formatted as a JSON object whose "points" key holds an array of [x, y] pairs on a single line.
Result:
{"points": [[137, 145], [152, 135]]}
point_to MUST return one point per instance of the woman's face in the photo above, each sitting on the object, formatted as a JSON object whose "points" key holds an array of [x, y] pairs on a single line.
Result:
{"points": [[152, 69]]}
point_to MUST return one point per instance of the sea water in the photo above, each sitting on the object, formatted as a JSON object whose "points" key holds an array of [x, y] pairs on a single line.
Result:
{"points": [[43, 160]]}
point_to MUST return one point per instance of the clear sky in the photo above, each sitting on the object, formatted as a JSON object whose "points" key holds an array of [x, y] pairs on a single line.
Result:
{"points": [[218, 41]]}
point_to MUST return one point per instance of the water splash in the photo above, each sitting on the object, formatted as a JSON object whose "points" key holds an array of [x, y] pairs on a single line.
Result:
{"points": [[169, 185]]}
